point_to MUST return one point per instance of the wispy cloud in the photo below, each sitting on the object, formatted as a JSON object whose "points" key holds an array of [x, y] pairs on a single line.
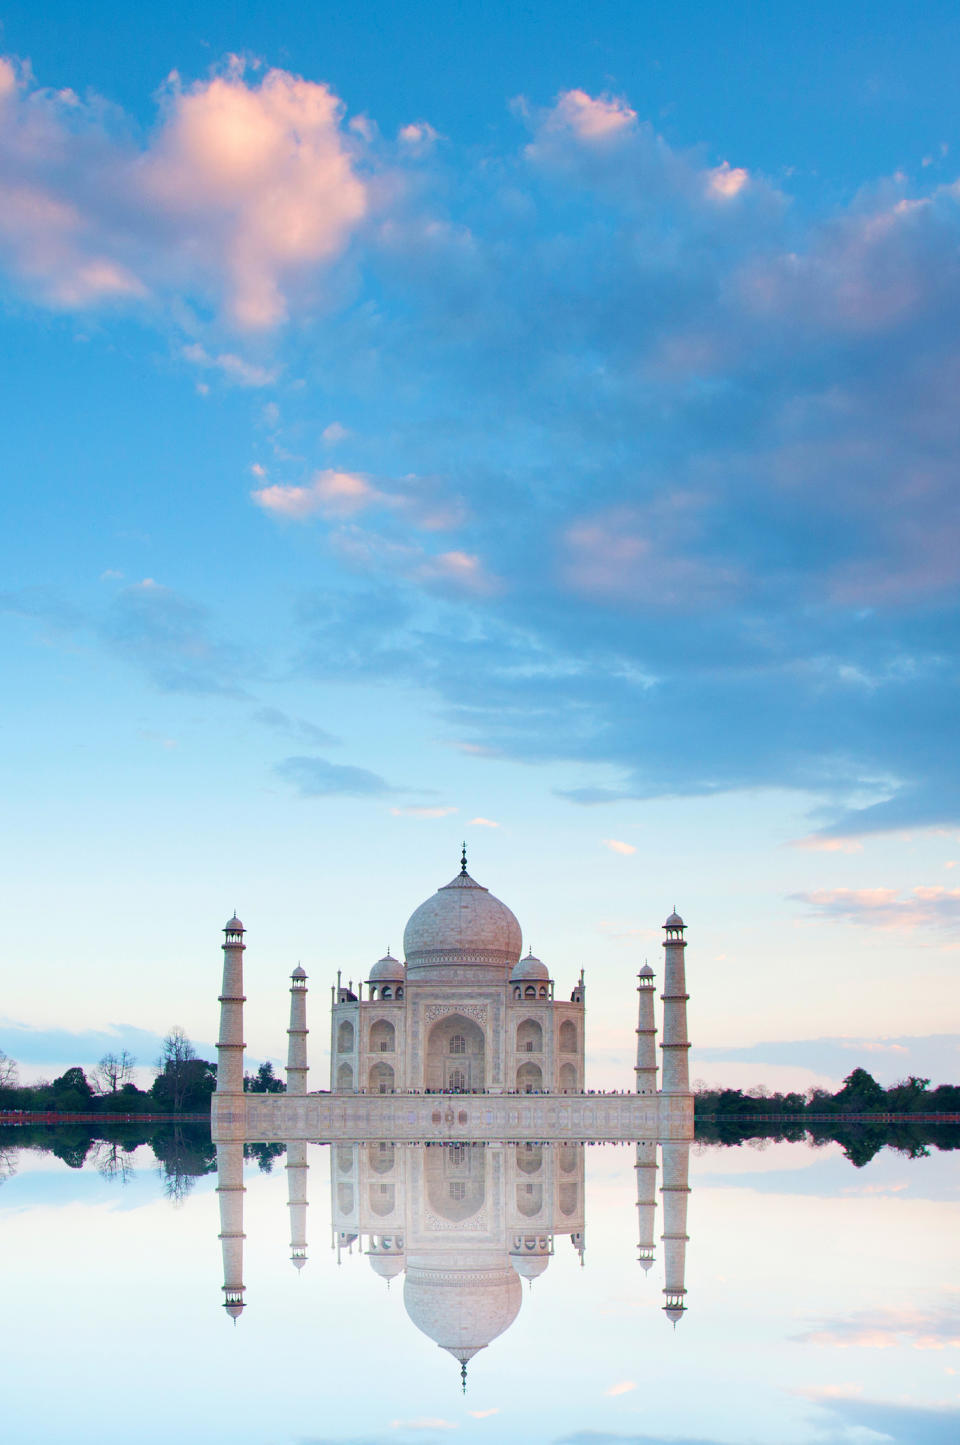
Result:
{"points": [[890, 908], [319, 778], [616, 846], [483, 823], [623, 1388], [170, 637]]}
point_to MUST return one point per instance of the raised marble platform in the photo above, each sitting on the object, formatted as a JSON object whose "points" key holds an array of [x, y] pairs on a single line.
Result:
{"points": [[428, 1117]]}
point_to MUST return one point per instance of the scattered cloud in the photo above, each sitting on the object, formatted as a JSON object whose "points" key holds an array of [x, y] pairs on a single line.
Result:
{"points": [[329, 494], [169, 636], [319, 778], [483, 823], [888, 908], [334, 433], [623, 1388], [308, 732], [815, 844], [483, 1414], [233, 367], [616, 846], [887, 1329]]}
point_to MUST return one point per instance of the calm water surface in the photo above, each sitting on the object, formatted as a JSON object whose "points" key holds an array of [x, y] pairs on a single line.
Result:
{"points": [[823, 1301]]}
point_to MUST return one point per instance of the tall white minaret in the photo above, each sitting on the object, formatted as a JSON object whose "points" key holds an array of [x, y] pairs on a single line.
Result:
{"points": [[675, 1191], [675, 1046], [230, 1047], [297, 1167], [297, 1034], [646, 1167], [230, 1191], [646, 1065]]}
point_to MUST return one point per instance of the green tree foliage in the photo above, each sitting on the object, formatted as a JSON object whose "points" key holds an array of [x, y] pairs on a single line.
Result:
{"points": [[264, 1081]]}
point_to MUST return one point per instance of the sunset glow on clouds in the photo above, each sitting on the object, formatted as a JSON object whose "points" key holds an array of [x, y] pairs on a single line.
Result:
{"points": [[559, 440]]}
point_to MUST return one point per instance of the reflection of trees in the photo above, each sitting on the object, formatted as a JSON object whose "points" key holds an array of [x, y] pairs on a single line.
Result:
{"points": [[8, 1162], [184, 1152], [113, 1160]]}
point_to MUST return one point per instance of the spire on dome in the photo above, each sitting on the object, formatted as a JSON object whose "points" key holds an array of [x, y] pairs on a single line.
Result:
{"points": [[463, 857], [463, 1375]]}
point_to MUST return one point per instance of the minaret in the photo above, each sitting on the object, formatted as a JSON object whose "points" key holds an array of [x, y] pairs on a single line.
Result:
{"points": [[646, 1167], [676, 1068], [646, 1065], [297, 1034], [231, 1045], [230, 1190], [297, 1167], [676, 1163]]}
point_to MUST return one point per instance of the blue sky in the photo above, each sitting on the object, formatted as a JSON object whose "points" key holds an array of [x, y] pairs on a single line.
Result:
{"points": [[535, 424]]}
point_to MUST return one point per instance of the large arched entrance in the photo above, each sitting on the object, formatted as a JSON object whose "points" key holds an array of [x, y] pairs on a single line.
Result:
{"points": [[455, 1055]]}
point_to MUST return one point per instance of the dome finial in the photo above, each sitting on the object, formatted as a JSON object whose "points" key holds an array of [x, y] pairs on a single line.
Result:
{"points": [[463, 1376], [463, 857]]}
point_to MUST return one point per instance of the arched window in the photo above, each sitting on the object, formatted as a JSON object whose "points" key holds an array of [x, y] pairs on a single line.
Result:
{"points": [[345, 1037], [344, 1078], [568, 1079], [458, 1079], [386, 991], [517, 993], [382, 1037], [529, 1037], [458, 1044], [543, 991], [568, 1037], [530, 991], [400, 990]]}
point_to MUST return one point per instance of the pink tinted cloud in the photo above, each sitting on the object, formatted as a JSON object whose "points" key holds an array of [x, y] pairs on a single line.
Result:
{"points": [[246, 190], [330, 494], [637, 555], [887, 908], [589, 118]]}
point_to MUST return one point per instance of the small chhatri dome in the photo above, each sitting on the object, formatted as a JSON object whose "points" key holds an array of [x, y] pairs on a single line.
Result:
{"points": [[387, 1266], [529, 967], [646, 971], [674, 921], [298, 972], [463, 923], [388, 970], [233, 925]]}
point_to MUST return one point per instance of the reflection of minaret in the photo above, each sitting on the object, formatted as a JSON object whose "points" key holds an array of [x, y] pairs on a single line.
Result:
{"points": [[676, 1164], [297, 1034], [230, 1190], [230, 1047], [297, 1167], [646, 1066], [646, 1167], [676, 1066]]}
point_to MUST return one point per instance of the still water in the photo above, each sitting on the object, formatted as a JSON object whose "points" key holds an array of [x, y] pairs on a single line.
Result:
{"points": [[822, 1301]]}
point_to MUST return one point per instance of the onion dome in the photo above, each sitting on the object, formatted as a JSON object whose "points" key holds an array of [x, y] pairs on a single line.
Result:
{"points": [[299, 972], [674, 921], [233, 925], [387, 1266], [646, 971], [463, 924], [388, 970], [530, 967], [462, 1310]]}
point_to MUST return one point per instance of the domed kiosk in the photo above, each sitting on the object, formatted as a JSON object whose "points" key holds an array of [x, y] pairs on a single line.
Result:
{"points": [[463, 1013]]}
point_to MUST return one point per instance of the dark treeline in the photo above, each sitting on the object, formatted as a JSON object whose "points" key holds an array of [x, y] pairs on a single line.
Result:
{"points": [[183, 1152], [729, 1116], [183, 1083]]}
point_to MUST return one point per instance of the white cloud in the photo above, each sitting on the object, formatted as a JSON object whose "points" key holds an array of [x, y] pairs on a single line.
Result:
{"points": [[483, 823], [330, 494], [726, 181], [235, 368], [615, 846], [887, 908], [624, 1388], [590, 118], [334, 433]]}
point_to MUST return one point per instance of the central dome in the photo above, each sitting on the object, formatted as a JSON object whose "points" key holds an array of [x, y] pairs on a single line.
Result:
{"points": [[461, 924]]}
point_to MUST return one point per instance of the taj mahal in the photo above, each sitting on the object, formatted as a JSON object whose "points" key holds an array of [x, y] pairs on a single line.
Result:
{"points": [[463, 1016], [456, 1116]]}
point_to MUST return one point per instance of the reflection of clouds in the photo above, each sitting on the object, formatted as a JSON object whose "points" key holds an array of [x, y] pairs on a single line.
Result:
{"points": [[885, 1329]]}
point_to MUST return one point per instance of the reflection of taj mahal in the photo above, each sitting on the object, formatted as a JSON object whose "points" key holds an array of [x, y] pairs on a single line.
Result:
{"points": [[464, 1224], [465, 1013]]}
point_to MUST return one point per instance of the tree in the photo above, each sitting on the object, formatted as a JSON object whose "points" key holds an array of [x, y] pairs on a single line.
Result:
{"points": [[113, 1071], [8, 1071], [176, 1054], [264, 1081]]}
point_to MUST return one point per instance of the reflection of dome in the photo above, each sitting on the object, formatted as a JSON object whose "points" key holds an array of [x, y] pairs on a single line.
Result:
{"points": [[387, 970], [529, 967], [462, 1310], [387, 1266], [462, 923], [530, 1265]]}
